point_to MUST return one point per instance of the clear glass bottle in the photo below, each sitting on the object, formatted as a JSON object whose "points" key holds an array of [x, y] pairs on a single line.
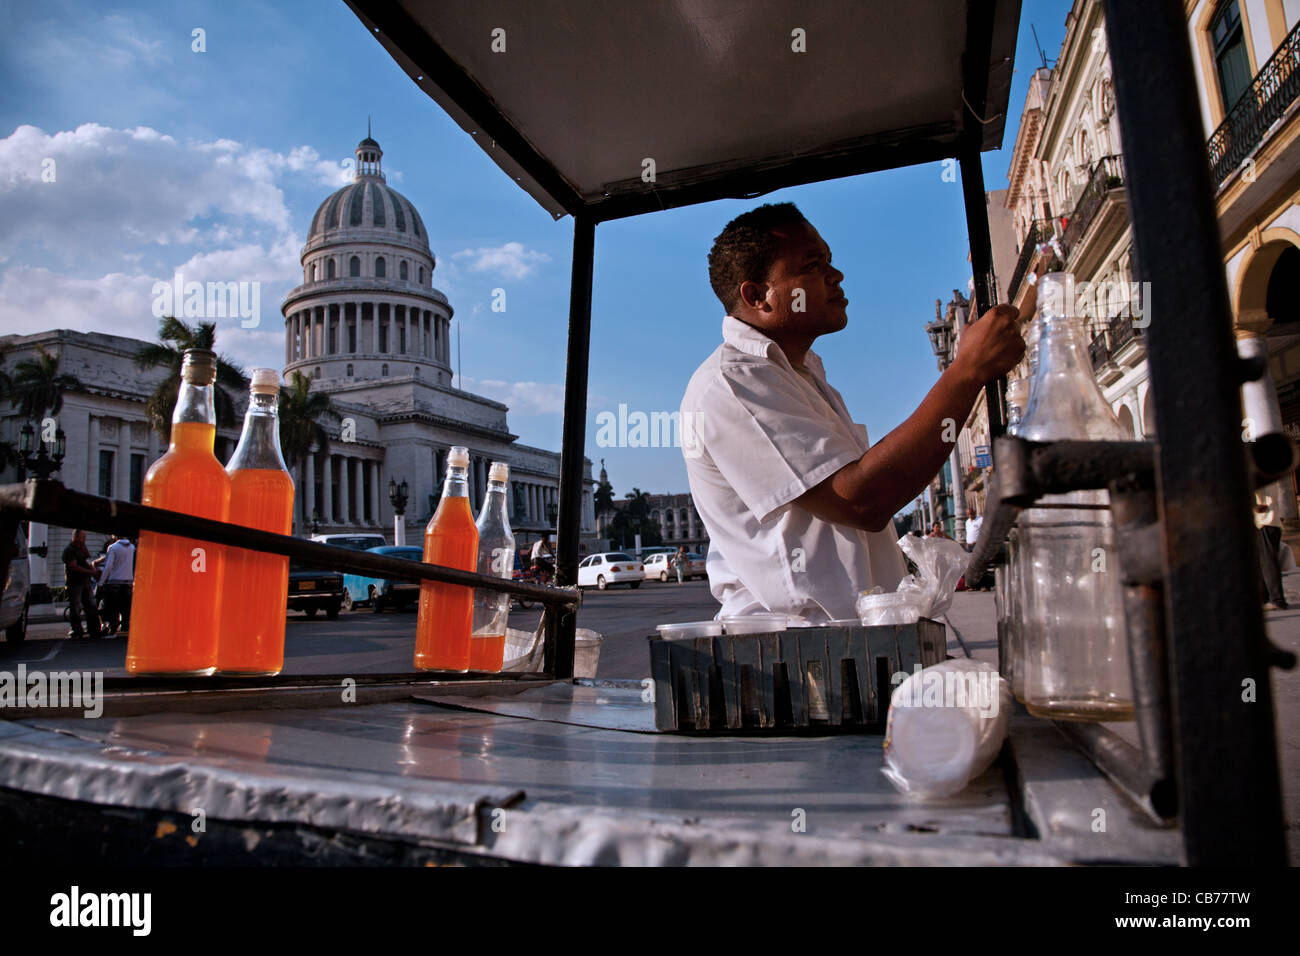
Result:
{"points": [[1075, 662], [261, 496], [446, 613], [176, 606], [496, 556]]}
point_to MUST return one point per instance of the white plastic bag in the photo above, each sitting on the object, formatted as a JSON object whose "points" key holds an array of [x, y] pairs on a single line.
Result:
{"points": [[946, 725], [939, 562]]}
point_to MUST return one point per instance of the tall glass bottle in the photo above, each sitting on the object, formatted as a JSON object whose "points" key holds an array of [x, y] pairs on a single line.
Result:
{"points": [[496, 553], [1075, 664], [261, 496], [447, 610], [176, 608]]}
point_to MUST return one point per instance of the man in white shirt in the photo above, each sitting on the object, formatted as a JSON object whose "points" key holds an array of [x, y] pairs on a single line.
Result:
{"points": [[973, 524], [797, 502], [116, 578]]}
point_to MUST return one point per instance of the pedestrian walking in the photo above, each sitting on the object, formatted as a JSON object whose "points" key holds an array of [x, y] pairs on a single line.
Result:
{"points": [[1269, 538], [973, 524], [679, 561], [116, 581], [79, 576]]}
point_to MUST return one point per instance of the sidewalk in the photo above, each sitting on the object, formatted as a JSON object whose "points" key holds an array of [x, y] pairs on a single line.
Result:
{"points": [[972, 615]]}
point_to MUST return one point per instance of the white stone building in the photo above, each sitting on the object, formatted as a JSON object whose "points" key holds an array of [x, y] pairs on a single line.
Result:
{"points": [[373, 333]]}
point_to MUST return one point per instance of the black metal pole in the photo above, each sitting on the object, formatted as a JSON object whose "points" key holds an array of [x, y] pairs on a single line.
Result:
{"points": [[981, 260], [1225, 749], [560, 637]]}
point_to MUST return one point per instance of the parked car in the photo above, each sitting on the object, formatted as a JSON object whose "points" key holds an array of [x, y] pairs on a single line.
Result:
{"points": [[610, 567], [312, 590], [360, 590], [656, 549], [660, 566], [359, 541], [16, 601]]}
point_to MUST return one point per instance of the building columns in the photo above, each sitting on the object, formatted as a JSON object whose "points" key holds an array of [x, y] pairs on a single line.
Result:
{"points": [[374, 492], [309, 498], [345, 493], [327, 491]]}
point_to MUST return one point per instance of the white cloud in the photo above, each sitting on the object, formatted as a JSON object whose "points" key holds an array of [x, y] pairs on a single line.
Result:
{"points": [[525, 398], [129, 208], [117, 190], [511, 260]]}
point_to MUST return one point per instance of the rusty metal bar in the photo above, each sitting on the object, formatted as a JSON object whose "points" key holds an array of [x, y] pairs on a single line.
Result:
{"points": [[48, 501]]}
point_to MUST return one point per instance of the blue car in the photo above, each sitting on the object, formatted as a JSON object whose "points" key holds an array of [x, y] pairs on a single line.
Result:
{"points": [[381, 593]]}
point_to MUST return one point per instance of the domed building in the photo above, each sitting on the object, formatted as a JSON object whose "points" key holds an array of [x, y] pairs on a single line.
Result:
{"points": [[369, 328]]}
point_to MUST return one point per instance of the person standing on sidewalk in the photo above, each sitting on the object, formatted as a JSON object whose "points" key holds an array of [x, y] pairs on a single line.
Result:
{"points": [[115, 581], [679, 561], [79, 574], [1270, 546]]}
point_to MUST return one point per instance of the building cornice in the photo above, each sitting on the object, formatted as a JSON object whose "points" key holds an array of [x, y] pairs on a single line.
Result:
{"points": [[350, 285]]}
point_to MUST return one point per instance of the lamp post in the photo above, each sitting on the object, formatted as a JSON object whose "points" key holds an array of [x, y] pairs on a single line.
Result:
{"points": [[39, 459], [397, 494], [943, 333]]}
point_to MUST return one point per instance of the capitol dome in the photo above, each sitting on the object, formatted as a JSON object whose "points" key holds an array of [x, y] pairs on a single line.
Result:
{"points": [[367, 308]]}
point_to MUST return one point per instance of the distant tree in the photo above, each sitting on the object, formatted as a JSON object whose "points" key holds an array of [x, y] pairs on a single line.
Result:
{"points": [[603, 499], [301, 431], [174, 337], [38, 385]]}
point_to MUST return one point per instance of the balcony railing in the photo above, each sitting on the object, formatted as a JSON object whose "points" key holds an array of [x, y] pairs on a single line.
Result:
{"points": [[1106, 175], [1274, 88], [1099, 350], [1122, 330], [1040, 230]]}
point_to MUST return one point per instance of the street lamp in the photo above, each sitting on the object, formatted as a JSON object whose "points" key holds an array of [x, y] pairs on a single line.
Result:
{"points": [[397, 494], [42, 464]]}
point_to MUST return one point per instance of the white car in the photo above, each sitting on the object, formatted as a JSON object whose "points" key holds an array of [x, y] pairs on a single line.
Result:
{"points": [[661, 566], [610, 567]]}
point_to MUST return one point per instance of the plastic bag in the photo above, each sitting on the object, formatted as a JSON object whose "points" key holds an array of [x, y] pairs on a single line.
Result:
{"points": [[946, 725], [940, 563]]}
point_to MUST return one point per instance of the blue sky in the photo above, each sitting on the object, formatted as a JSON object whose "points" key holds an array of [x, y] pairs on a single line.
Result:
{"points": [[214, 162]]}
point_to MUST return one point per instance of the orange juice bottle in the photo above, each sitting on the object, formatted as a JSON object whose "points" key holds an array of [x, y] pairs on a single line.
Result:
{"points": [[176, 607], [447, 610], [496, 554], [261, 496]]}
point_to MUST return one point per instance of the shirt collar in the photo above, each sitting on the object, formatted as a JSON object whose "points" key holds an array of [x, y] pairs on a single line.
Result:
{"points": [[743, 336]]}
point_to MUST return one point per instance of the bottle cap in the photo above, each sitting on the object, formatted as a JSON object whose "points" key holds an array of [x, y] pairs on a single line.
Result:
{"points": [[199, 366], [499, 471], [265, 381], [458, 457]]}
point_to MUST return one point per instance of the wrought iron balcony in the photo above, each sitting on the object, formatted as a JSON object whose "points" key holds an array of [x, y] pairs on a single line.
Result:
{"points": [[1099, 351], [1274, 88], [1108, 174], [1040, 230]]}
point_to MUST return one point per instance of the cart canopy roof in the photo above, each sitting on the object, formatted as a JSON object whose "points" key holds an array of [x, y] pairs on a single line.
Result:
{"points": [[575, 100]]}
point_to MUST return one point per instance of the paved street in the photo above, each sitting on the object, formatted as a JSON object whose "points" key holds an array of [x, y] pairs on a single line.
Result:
{"points": [[365, 643]]}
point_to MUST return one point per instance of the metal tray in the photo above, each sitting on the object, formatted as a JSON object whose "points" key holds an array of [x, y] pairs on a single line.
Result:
{"points": [[809, 677]]}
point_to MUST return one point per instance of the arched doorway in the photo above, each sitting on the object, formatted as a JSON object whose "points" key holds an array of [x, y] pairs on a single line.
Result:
{"points": [[1268, 303], [1126, 420]]}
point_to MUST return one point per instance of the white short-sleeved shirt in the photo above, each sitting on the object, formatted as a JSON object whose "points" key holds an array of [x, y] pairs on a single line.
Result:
{"points": [[757, 434]]}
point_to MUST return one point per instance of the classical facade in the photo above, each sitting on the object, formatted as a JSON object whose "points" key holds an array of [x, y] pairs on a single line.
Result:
{"points": [[1246, 54], [370, 330], [1067, 195]]}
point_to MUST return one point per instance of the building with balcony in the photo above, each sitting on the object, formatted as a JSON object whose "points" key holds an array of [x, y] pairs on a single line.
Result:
{"points": [[1069, 203], [1246, 54]]}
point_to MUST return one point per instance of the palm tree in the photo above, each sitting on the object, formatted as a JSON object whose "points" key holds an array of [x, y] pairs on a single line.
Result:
{"points": [[174, 337], [38, 385], [300, 429], [300, 412]]}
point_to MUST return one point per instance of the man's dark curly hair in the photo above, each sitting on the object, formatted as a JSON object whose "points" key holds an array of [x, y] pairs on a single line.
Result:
{"points": [[745, 249]]}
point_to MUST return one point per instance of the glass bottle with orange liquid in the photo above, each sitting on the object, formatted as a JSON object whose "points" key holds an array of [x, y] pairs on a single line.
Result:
{"points": [[176, 607], [261, 496], [496, 556], [447, 610]]}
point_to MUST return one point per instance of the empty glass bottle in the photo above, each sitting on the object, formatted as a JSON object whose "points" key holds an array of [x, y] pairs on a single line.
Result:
{"points": [[1075, 663], [496, 556]]}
